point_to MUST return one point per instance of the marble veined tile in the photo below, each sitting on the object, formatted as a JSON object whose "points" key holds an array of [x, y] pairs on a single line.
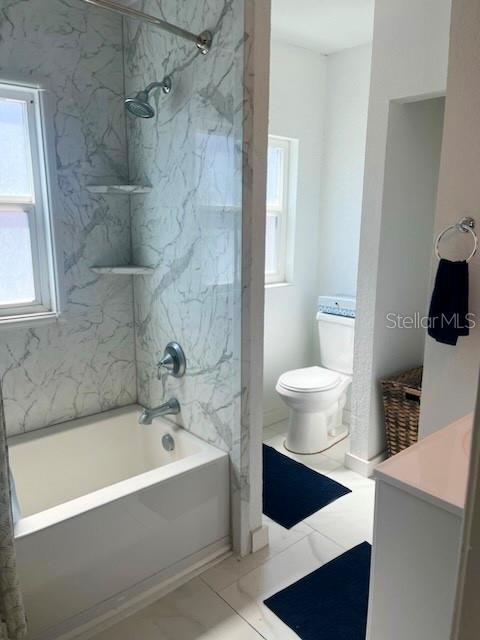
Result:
{"points": [[191, 612], [351, 479], [246, 595], [85, 363], [119, 189], [316, 461], [227, 572], [189, 227], [124, 270], [279, 428], [338, 451], [348, 520]]}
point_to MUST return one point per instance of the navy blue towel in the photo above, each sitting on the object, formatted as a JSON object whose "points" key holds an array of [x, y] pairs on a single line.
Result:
{"points": [[332, 602], [448, 316], [292, 491]]}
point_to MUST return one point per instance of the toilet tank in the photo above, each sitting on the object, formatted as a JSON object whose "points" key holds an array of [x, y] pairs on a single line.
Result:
{"points": [[336, 332]]}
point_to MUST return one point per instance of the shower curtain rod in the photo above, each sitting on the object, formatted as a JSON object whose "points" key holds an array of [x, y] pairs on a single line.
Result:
{"points": [[203, 41]]}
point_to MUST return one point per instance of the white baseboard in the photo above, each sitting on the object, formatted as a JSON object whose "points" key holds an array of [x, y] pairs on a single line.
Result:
{"points": [[105, 615], [275, 415], [361, 466], [260, 538]]}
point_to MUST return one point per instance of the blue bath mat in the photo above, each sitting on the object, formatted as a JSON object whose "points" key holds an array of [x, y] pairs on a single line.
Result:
{"points": [[292, 491], [332, 602]]}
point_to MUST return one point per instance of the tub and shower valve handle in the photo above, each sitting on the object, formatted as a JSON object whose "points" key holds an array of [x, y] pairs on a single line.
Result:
{"points": [[173, 361]]}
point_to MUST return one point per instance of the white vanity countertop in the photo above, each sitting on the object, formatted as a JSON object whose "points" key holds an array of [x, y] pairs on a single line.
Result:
{"points": [[436, 468]]}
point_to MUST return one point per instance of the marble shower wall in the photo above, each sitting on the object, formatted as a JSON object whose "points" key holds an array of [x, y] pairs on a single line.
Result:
{"points": [[103, 352], [84, 363], [189, 228]]}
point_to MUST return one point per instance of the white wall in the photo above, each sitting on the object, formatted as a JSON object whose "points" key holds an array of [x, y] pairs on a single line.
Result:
{"points": [[322, 101], [451, 373], [348, 87], [459, 190], [412, 164], [297, 99], [410, 52]]}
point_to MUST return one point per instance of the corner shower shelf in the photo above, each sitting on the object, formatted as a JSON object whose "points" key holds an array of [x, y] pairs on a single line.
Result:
{"points": [[124, 270], [119, 189]]}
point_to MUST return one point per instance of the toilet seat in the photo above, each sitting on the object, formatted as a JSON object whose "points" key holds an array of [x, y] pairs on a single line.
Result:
{"points": [[309, 380]]}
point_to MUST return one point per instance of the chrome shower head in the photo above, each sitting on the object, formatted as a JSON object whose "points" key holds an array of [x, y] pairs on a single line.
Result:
{"points": [[139, 105]]}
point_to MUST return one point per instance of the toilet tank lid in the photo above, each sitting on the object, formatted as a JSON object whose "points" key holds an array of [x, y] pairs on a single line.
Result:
{"points": [[338, 305]]}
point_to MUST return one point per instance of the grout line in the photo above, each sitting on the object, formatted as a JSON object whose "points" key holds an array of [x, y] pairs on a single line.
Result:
{"points": [[342, 550], [237, 613], [281, 551], [273, 424], [270, 557], [327, 537]]}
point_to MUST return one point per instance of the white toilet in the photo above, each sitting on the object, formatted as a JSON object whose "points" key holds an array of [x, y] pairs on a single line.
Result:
{"points": [[316, 395]]}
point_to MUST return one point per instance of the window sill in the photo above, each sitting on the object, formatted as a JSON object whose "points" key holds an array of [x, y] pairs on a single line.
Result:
{"points": [[28, 320], [278, 285]]}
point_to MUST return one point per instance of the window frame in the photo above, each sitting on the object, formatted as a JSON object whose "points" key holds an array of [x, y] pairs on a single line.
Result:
{"points": [[45, 264], [284, 211]]}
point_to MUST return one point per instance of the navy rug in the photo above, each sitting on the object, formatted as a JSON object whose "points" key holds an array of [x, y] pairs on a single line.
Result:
{"points": [[292, 491], [332, 602]]}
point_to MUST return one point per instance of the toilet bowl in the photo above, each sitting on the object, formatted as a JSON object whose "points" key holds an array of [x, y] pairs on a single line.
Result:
{"points": [[316, 396]]}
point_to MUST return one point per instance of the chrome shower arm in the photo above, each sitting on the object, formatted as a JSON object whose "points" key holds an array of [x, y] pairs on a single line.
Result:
{"points": [[152, 85], [203, 41], [165, 84]]}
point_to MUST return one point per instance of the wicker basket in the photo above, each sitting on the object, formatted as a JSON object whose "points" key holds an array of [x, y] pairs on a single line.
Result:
{"points": [[401, 401]]}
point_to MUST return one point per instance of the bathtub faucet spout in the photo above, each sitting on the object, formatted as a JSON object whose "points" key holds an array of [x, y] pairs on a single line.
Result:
{"points": [[172, 407]]}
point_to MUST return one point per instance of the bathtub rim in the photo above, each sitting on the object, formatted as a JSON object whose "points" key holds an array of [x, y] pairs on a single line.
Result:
{"points": [[29, 525]]}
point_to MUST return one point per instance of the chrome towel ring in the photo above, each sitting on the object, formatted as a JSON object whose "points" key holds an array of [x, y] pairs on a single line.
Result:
{"points": [[465, 225]]}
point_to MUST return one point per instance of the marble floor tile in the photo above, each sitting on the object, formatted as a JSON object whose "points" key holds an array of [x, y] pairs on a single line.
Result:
{"points": [[349, 520], [230, 570], [192, 612], [279, 428], [338, 451], [324, 464], [246, 595], [350, 479], [316, 461]]}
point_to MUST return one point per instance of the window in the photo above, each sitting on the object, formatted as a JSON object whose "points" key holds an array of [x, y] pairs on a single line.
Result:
{"points": [[281, 194], [27, 282]]}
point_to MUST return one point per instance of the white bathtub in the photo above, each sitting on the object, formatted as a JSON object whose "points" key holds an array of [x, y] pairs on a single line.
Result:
{"points": [[108, 514]]}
